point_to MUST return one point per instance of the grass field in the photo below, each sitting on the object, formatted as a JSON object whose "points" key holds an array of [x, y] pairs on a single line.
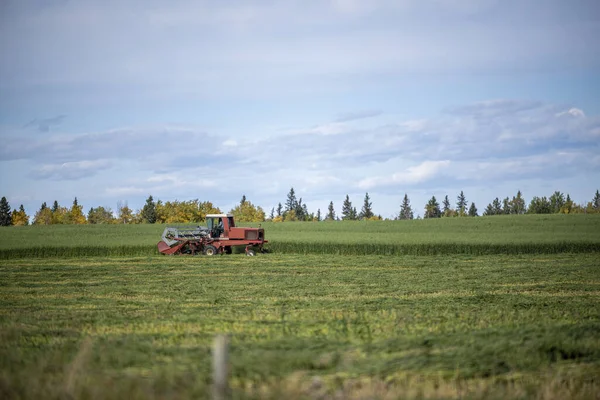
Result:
{"points": [[523, 234], [345, 326], [441, 327]]}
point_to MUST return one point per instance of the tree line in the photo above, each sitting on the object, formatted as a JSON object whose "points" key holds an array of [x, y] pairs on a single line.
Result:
{"points": [[293, 209]]}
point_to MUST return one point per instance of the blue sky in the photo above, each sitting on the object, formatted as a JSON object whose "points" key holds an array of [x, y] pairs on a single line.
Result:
{"points": [[113, 101]]}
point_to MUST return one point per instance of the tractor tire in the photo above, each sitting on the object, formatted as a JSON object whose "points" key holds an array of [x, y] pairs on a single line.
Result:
{"points": [[210, 250], [250, 253]]}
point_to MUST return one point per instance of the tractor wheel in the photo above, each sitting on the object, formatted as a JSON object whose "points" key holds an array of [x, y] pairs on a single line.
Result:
{"points": [[210, 250], [250, 253]]}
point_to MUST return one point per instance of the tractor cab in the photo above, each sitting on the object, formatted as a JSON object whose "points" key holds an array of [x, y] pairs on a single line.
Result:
{"points": [[219, 224]]}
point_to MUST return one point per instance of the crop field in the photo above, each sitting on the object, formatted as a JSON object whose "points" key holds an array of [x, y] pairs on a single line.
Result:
{"points": [[522, 234], [306, 324]]}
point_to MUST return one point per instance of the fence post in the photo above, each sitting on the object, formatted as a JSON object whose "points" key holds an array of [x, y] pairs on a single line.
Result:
{"points": [[221, 367]]}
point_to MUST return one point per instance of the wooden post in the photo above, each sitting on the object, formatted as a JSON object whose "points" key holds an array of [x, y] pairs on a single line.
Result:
{"points": [[221, 367]]}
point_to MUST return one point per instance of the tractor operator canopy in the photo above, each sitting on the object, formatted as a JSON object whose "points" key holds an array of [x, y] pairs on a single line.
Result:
{"points": [[219, 215]]}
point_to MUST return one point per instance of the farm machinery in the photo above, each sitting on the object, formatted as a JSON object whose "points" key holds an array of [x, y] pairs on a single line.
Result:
{"points": [[219, 236]]}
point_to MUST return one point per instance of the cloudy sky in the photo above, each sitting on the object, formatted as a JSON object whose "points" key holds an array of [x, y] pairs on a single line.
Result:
{"points": [[116, 100]]}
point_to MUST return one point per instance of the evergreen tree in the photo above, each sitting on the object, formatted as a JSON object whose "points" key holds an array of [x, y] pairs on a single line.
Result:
{"points": [[473, 210], [432, 209], [497, 207], [506, 207], [291, 202], [461, 204], [445, 204], [406, 211], [305, 215], [279, 209], [446, 210], [55, 206], [366, 212], [318, 214], [354, 214], [243, 199], [596, 201], [347, 209], [5, 216], [300, 214], [489, 210], [148, 213], [518, 204], [272, 215], [330, 212]]}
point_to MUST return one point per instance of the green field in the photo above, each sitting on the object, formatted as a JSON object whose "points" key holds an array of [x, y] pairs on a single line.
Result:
{"points": [[345, 326], [522, 234]]}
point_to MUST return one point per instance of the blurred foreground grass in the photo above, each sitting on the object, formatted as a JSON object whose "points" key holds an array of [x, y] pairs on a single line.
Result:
{"points": [[302, 326]]}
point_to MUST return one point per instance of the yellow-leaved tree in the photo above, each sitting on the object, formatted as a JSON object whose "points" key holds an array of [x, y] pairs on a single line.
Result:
{"points": [[247, 212], [59, 214], [124, 213], [43, 216], [184, 211], [75, 215], [20, 218]]}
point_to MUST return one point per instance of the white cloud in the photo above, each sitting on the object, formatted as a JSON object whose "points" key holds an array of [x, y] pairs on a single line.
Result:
{"points": [[230, 143], [411, 175], [70, 170], [573, 112]]}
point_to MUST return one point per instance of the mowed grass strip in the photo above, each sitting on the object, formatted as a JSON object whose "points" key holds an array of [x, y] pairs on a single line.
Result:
{"points": [[522, 234], [515, 326]]}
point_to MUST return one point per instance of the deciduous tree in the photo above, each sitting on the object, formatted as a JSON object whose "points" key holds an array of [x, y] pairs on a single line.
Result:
{"points": [[124, 213], [248, 212], [539, 205], [432, 209], [20, 217], [43, 216], [557, 200], [75, 214], [100, 215]]}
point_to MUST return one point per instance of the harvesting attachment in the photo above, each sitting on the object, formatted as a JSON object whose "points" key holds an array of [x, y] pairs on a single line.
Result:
{"points": [[219, 236]]}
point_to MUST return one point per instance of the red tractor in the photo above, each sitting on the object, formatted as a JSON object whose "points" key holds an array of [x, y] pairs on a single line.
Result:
{"points": [[219, 236]]}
